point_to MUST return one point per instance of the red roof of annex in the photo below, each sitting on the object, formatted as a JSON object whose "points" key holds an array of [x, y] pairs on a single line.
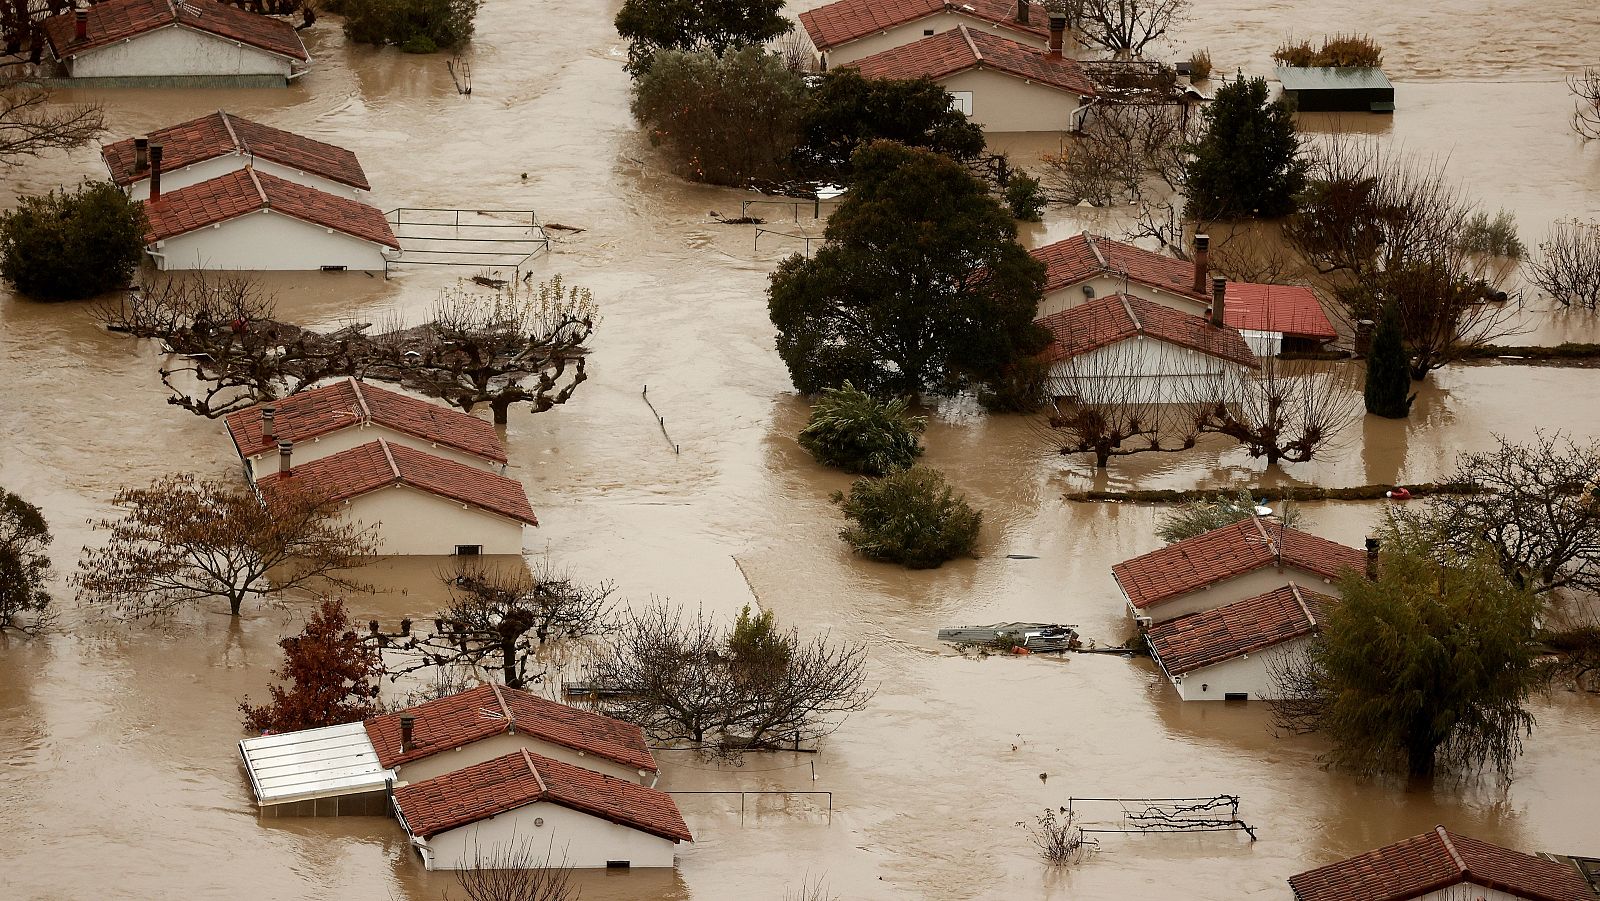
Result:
{"points": [[962, 48], [1085, 256], [849, 20], [1437, 860], [245, 191], [379, 464], [1291, 309], [488, 710], [351, 403], [521, 778], [1107, 320], [221, 134], [1197, 640], [1230, 551], [112, 21]]}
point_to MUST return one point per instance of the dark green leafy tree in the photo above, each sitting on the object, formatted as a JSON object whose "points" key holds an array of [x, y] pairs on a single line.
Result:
{"points": [[848, 111], [1248, 163], [854, 431], [920, 285], [68, 245], [24, 565], [415, 26], [1425, 669], [910, 517], [1388, 389], [1025, 197], [716, 26]]}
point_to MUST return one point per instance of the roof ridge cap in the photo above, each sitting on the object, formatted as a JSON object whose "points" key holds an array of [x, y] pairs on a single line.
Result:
{"points": [[538, 779], [1444, 836], [361, 399], [1266, 536], [395, 468], [1304, 608], [1138, 324], [967, 36], [228, 124], [1094, 248], [260, 191], [511, 724]]}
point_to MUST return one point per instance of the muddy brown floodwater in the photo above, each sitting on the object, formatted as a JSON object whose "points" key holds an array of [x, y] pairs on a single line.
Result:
{"points": [[118, 772]]}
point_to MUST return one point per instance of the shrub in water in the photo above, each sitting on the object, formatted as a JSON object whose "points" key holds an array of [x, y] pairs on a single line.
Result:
{"points": [[910, 517], [71, 245], [853, 431]]}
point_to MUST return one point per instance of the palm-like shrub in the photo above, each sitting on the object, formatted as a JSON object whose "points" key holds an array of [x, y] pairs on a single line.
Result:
{"points": [[853, 431], [910, 517]]}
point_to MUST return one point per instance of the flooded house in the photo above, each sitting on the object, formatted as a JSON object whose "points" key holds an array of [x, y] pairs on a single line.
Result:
{"points": [[491, 811], [1001, 84], [848, 30], [1441, 865], [1229, 654], [348, 413], [1278, 318], [1342, 89], [219, 143], [173, 43], [416, 502]]}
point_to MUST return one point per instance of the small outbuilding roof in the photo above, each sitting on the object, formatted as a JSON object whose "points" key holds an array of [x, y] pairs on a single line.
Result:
{"points": [[963, 48], [1197, 640], [313, 763], [245, 190], [1105, 321], [1436, 860], [222, 133], [520, 778], [848, 20], [1331, 78], [113, 21], [1085, 256], [1292, 310]]}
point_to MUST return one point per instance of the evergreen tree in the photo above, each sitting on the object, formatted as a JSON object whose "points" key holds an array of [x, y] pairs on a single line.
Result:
{"points": [[853, 431], [1248, 163], [911, 517], [695, 25], [68, 245], [1388, 389]]}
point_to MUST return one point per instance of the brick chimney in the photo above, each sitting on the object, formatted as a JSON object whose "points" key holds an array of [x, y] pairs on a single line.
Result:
{"points": [[155, 171], [1219, 296], [285, 457], [1022, 11], [1058, 30], [1202, 262], [80, 21], [269, 426], [1372, 557], [141, 154], [408, 729]]}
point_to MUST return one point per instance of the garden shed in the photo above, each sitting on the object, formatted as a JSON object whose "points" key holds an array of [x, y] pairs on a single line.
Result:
{"points": [[1337, 90], [330, 771]]}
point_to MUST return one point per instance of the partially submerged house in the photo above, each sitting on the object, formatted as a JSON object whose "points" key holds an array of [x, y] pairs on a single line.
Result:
{"points": [[1001, 84], [1344, 89], [1441, 866], [202, 149], [1277, 318], [1229, 654], [847, 30], [492, 809], [417, 503], [1232, 563], [174, 42], [347, 413], [327, 772], [256, 221]]}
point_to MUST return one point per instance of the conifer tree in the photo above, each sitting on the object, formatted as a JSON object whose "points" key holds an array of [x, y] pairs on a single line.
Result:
{"points": [[1388, 391], [1248, 164]]}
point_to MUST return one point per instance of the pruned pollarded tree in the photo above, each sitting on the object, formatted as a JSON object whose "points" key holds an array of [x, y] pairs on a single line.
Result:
{"points": [[517, 869], [30, 124], [1586, 102], [1124, 27], [1567, 266], [1283, 411], [24, 566], [184, 541], [333, 674], [1107, 403]]}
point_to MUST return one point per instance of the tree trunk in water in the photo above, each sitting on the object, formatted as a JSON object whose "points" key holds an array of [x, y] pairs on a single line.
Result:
{"points": [[235, 601], [508, 658], [1102, 458], [1420, 762], [502, 410]]}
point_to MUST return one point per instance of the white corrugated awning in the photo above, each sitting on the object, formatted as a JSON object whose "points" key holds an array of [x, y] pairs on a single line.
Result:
{"points": [[313, 763]]}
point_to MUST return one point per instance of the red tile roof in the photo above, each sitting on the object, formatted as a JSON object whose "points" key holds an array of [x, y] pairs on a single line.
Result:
{"points": [[962, 48], [1106, 320], [487, 710], [1085, 256], [1289, 309], [1437, 860], [849, 20], [111, 21], [379, 464], [222, 133], [521, 778], [1230, 551], [348, 403], [246, 190], [1197, 640]]}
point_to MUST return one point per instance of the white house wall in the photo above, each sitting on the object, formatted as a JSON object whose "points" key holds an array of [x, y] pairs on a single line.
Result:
{"points": [[501, 745], [266, 240], [901, 35], [587, 841], [205, 170], [335, 442], [1250, 675], [1107, 285], [1237, 589], [1005, 103], [1143, 370], [411, 521], [176, 51], [1468, 892]]}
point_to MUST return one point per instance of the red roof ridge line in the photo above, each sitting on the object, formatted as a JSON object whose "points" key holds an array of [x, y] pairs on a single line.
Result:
{"points": [[394, 468], [361, 401], [172, 7], [1127, 307], [528, 758], [1310, 618], [967, 36], [505, 710], [260, 191], [237, 144], [1095, 249], [1444, 836]]}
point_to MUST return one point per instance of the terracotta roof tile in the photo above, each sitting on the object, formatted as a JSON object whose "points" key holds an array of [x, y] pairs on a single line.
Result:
{"points": [[1230, 551], [848, 20], [246, 190], [1290, 309], [962, 48], [111, 21], [1107, 320], [347, 403], [379, 464], [1085, 256], [515, 780], [1436, 860], [222, 133], [480, 712], [1196, 640]]}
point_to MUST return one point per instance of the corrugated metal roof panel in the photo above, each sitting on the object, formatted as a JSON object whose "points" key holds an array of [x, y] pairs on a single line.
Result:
{"points": [[1320, 78], [313, 763]]}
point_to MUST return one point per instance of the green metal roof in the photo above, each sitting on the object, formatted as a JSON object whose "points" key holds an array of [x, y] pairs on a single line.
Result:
{"points": [[1296, 78]]}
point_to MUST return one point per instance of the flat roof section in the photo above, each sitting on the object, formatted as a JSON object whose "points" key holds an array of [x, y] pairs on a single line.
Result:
{"points": [[1329, 78], [313, 763]]}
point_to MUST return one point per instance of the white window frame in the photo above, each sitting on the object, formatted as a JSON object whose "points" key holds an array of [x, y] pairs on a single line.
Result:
{"points": [[961, 101]]}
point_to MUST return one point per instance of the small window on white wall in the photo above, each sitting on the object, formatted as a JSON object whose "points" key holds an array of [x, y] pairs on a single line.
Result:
{"points": [[961, 100]]}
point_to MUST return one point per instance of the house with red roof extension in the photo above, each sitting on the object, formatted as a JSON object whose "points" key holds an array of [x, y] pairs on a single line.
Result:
{"points": [[138, 43], [492, 810], [1235, 562], [1442, 866], [847, 30], [347, 413], [1229, 654], [417, 503], [202, 149], [1003, 85]]}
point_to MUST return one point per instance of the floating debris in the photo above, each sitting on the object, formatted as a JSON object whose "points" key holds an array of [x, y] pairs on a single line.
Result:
{"points": [[1036, 638]]}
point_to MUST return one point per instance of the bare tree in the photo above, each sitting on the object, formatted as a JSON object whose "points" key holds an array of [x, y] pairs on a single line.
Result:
{"points": [[1123, 151], [31, 125], [184, 541], [1058, 837], [1586, 102], [1286, 412], [1574, 658], [1125, 27], [810, 890], [1567, 266], [517, 870]]}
